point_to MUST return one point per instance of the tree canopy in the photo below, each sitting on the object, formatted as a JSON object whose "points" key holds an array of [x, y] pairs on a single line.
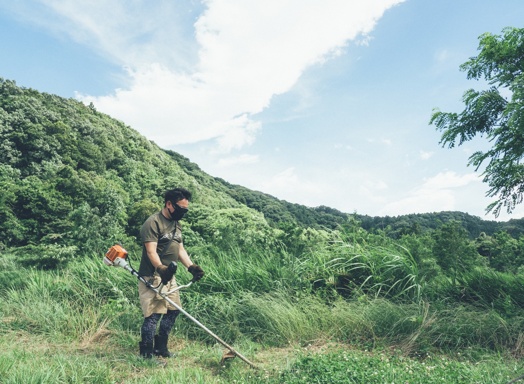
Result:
{"points": [[496, 113]]}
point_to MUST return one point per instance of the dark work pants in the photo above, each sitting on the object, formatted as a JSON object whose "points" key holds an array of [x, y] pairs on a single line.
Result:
{"points": [[148, 329]]}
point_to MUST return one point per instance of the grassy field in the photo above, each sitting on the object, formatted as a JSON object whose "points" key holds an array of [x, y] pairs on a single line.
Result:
{"points": [[108, 358], [80, 324]]}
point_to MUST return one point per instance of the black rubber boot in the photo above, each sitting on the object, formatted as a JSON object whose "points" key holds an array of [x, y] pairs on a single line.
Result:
{"points": [[146, 350], [161, 347]]}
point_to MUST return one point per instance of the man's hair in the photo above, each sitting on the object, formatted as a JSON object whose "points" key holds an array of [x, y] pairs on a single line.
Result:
{"points": [[176, 194]]}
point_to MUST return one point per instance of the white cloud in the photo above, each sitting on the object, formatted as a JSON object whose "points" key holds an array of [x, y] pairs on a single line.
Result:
{"points": [[424, 155], [199, 77], [343, 146], [288, 185], [241, 131], [438, 193], [442, 55], [131, 33], [449, 179], [368, 186], [384, 141], [238, 160]]}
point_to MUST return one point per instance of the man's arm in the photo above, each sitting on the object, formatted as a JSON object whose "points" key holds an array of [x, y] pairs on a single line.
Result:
{"points": [[183, 256], [194, 269], [152, 254]]}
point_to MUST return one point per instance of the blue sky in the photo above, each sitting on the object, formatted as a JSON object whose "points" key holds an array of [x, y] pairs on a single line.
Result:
{"points": [[314, 102]]}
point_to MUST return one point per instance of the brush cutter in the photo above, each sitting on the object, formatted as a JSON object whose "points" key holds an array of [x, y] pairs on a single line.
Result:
{"points": [[116, 256]]}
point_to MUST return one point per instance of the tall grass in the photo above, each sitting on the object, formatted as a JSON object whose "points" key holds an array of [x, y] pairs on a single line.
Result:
{"points": [[487, 288], [352, 269], [259, 270], [79, 302], [342, 267], [359, 295]]}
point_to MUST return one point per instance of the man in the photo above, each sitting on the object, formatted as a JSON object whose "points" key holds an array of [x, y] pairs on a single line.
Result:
{"points": [[162, 244]]}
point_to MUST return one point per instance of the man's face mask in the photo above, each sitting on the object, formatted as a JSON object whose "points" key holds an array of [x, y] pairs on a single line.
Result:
{"points": [[178, 212]]}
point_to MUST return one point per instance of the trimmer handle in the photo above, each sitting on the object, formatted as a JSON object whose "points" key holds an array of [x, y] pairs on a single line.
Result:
{"points": [[172, 267], [167, 273]]}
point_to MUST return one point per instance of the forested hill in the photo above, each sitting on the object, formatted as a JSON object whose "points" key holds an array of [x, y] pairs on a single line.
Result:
{"points": [[280, 211], [74, 177]]}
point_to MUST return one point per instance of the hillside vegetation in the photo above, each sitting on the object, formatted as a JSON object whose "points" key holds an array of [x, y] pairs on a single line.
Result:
{"points": [[310, 294]]}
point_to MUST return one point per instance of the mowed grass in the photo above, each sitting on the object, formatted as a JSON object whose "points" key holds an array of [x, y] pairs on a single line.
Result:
{"points": [[37, 359]]}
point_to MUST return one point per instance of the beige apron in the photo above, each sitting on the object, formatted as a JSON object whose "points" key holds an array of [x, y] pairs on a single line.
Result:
{"points": [[151, 302]]}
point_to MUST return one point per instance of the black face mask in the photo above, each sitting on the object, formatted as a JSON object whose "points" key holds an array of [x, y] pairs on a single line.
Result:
{"points": [[178, 213]]}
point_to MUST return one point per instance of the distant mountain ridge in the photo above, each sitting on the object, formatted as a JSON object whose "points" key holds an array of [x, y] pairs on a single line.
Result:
{"points": [[280, 211]]}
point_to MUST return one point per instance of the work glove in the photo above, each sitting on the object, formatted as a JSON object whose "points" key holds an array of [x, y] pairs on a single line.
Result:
{"points": [[196, 271], [166, 273]]}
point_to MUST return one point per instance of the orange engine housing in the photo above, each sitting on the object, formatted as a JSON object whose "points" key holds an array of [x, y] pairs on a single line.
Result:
{"points": [[116, 251]]}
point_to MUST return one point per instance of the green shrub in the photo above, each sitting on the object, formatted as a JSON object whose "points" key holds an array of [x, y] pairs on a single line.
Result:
{"points": [[45, 256]]}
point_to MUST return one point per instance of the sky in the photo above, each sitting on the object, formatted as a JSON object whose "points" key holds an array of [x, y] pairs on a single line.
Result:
{"points": [[316, 102]]}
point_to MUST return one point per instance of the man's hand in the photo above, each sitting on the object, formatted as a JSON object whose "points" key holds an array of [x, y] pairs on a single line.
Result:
{"points": [[196, 271], [165, 273]]}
